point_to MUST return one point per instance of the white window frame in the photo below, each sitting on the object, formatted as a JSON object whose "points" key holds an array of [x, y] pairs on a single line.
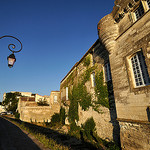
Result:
{"points": [[55, 98], [107, 72], [66, 93], [138, 13], [148, 4], [93, 79], [139, 70]]}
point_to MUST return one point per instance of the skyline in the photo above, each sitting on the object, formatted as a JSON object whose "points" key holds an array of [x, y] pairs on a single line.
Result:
{"points": [[55, 35]]}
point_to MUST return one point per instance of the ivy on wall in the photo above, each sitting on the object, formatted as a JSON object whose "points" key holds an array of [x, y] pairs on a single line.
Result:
{"points": [[73, 108], [86, 61], [78, 94], [101, 91]]}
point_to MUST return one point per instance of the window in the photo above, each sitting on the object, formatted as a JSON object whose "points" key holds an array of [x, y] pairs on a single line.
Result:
{"points": [[55, 99], [66, 93], [139, 11], [107, 72], [148, 3], [93, 79], [139, 68]]}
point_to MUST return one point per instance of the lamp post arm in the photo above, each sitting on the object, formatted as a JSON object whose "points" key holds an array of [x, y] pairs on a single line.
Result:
{"points": [[12, 45]]}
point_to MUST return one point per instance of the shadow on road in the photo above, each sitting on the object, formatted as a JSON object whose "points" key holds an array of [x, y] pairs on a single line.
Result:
{"points": [[62, 139], [13, 138]]}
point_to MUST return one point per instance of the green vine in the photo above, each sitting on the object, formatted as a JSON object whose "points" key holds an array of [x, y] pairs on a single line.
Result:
{"points": [[86, 75], [73, 108], [101, 91], [79, 94], [89, 128], [86, 61]]}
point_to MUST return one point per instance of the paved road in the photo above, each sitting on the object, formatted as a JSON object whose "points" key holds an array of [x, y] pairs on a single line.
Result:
{"points": [[12, 138]]}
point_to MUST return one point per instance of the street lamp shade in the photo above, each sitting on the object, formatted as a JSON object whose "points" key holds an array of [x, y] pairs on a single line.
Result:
{"points": [[11, 60]]}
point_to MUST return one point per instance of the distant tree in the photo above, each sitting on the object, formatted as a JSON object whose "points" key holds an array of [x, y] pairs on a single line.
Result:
{"points": [[11, 101], [42, 102]]}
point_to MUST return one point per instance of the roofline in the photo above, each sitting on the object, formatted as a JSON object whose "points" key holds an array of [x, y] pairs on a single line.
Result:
{"points": [[80, 59]]}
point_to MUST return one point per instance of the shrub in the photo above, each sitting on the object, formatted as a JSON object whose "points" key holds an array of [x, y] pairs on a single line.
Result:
{"points": [[17, 115], [89, 127], [55, 119], [42, 103], [74, 130], [62, 115]]}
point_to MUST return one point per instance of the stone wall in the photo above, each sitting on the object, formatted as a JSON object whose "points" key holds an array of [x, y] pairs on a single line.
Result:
{"points": [[122, 43], [134, 136], [107, 126], [104, 126], [123, 36], [38, 113], [30, 112]]}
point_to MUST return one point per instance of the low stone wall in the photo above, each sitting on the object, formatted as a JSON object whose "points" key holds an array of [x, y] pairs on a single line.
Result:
{"points": [[38, 113], [135, 136]]}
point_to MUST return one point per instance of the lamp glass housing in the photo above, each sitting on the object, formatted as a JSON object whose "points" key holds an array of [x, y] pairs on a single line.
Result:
{"points": [[11, 60]]}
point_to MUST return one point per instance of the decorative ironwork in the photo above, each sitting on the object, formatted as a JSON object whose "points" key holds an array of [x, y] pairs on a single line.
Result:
{"points": [[12, 45], [11, 58]]}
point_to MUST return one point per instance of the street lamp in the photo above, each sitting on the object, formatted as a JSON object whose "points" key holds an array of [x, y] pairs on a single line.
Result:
{"points": [[11, 58]]}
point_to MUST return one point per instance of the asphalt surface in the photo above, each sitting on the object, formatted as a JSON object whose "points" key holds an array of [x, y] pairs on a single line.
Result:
{"points": [[13, 138]]}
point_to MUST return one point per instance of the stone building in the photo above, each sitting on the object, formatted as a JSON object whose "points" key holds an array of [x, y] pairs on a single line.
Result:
{"points": [[85, 77], [30, 111], [125, 33], [55, 98], [30, 94]]}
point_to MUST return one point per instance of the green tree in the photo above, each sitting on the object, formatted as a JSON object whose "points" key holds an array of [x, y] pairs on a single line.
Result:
{"points": [[42, 102], [11, 101]]}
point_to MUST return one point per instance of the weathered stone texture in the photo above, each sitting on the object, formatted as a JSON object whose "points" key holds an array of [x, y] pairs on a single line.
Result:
{"points": [[129, 37], [135, 136], [104, 126], [31, 112], [120, 77], [38, 113], [108, 32]]}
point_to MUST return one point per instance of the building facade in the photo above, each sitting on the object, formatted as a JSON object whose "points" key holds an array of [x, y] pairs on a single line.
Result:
{"points": [[126, 35], [87, 92], [31, 111]]}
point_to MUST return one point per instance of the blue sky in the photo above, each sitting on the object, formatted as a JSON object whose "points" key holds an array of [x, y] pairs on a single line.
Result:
{"points": [[55, 35]]}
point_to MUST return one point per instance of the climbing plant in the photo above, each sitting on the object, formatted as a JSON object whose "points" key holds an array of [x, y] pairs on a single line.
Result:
{"points": [[73, 108], [62, 115], [89, 128], [86, 61], [101, 91], [84, 97]]}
